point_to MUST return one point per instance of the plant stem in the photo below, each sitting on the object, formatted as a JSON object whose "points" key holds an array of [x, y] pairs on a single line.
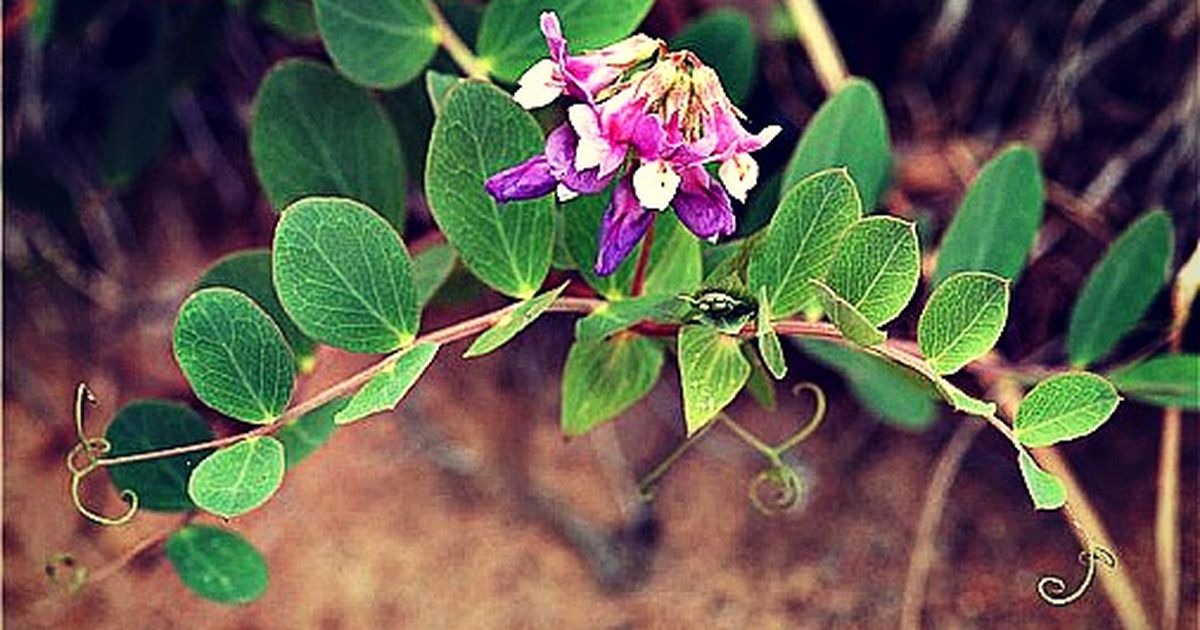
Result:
{"points": [[472, 66], [643, 261], [819, 43]]}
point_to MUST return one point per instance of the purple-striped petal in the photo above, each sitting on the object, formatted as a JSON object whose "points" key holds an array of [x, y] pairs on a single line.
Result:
{"points": [[703, 206], [625, 223], [529, 179]]}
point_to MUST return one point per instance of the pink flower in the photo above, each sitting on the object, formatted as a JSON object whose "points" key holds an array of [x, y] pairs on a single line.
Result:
{"points": [[663, 122]]}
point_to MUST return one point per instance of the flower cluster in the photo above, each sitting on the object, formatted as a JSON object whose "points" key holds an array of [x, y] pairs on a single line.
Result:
{"points": [[650, 118]]}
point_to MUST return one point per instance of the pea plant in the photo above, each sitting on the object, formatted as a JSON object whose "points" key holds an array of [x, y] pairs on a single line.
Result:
{"points": [[579, 169]]}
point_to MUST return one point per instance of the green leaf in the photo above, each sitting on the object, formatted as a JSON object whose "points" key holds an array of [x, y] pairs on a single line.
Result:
{"points": [[852, 323], [724, 39], [238, 478], [1121, 288], [152, 425], [385, 390], [849, 130], [437, 86], [618, 315], [249, 271], [430, 270], [877, 267], [480, 132], [603, 378], [712, 371], [217, 564], [344, 276], [1167, 380], [381, 44], [802, 239], [675, 265], [1064, 407], [510, 39], [1045, 489], [962, 320], [998, 220], [512, 323], [962, 401], [294, 19], [139, 125], [304, 435], [233, 355], [768, 339], [896, 395], [760, 385], [314, 133]]}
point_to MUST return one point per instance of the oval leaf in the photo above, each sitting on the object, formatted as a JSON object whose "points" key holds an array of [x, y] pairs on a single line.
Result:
{"points": [[304, 435], [481, 131], [217, 564], [510, 41], [380, 44], [249, 271], [431, 268], [802, 238], [1045, 489], [238, 478], [724, 39], [962, 320], [314, 133], [849, 130], [618, 315], [712, 371], [1064, 407], [603, 378], [234, 357], [151, 425], [997, 221], [877, 267], [386, 389], [344, 276], [895, 394], [1169, 380], [849, 321], [1120, 288], [512, 323]]}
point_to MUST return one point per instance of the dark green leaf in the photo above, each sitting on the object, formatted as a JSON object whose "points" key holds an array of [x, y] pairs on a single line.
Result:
{"points": [[802, 238], [512, 323], [1164, 380], [850, 130], [143, 426], [712, 371], [481, 131], [1120, 288], [724, 39], [249, 271], [314, 133], [896, 395], [1064, 407], [510, 39], [603, 378], [381, 44], [138, 126], [618, 315], [344, 276], [386, 389], [233, 355], [430, 270], [238, 478], [307, 433], [217, 564], [963, 319], [294, 19], [994, 227]]}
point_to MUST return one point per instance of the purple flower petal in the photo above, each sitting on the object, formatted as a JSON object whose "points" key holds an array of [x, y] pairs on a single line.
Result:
{"points": [[703, 206], [529, 179], [560, 152], [625, 223]]}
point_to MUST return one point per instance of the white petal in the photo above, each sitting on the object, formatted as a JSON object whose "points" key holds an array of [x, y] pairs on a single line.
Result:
{"points": [[655, 184], [538, 87], [565, 194], [592, 146], [739, 174]]}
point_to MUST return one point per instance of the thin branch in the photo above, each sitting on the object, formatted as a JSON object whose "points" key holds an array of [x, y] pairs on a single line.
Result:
{"points": [[819, 43], [472, 66], [643, 261]]}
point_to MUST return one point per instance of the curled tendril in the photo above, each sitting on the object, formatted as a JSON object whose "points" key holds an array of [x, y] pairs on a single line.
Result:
{"points": [[814, 421], [783, 487], [60, 562], [1053, 589], [92, 448]]}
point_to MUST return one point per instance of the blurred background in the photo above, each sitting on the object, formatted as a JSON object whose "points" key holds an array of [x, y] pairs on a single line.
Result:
{"points": [[127, 172]]}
